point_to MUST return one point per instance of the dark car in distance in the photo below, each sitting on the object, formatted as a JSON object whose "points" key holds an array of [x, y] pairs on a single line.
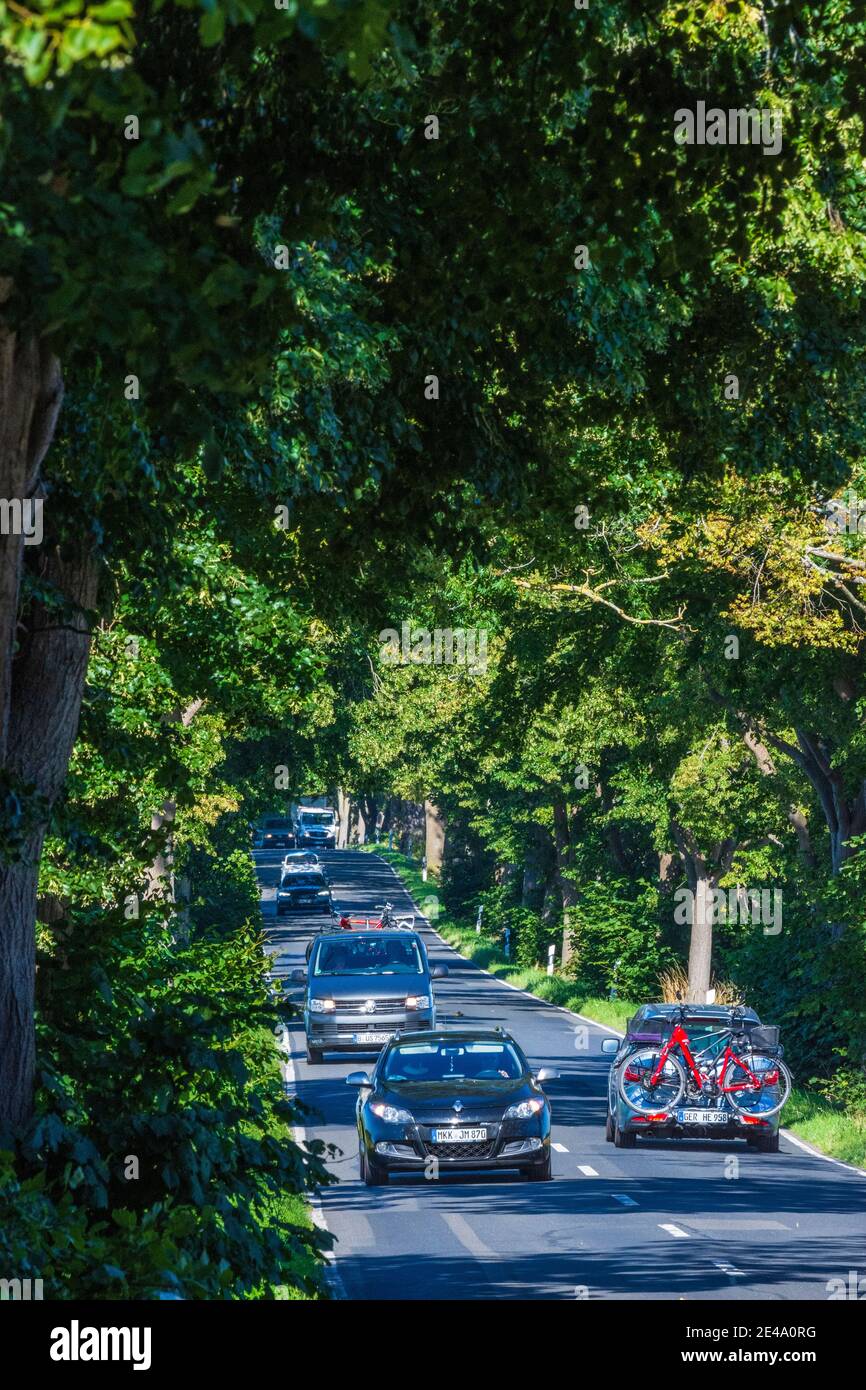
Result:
{"points": [[303, 890], [362, 986], [468, 1099], [278, 831]]}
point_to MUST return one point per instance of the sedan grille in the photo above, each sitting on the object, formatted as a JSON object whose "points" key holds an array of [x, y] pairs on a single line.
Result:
{"points": [[482, 1150]]}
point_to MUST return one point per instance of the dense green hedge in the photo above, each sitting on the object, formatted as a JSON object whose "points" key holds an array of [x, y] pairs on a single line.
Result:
{"points": [[160, 1158]]}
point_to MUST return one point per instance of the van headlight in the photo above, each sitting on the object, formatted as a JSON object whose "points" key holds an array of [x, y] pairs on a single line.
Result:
{"points": [[418, 1001], [322, 1006]]}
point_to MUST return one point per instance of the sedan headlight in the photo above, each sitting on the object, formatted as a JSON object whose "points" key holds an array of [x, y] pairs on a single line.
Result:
{"points": [[524, 1110], [322, 1006], [391, 1114], [418, 1001], [322, 893]]}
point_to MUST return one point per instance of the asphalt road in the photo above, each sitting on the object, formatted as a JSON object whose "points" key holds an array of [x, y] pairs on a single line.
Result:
{"points": [[705, 1220]]}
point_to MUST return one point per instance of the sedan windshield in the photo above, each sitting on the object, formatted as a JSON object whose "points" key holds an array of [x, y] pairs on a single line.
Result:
{"points": [[470, 1061], [369, 955]]}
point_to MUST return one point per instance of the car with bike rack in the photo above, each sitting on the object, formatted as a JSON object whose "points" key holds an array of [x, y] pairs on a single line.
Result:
{"points": [[706, 1071]]}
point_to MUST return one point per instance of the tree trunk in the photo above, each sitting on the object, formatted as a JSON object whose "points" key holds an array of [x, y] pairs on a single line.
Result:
{"points": [[702, 879], [388, 817], [47, 682], [31, 391], [701, 943], [38, 704], [563, 842], [536, 867], [434, 837], [342, 819]]}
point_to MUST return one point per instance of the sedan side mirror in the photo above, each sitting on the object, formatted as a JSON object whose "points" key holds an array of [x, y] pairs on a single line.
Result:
{"points": [[439, 972], [358, 1078], [546, 1074], [610, 1046], [299, 977]]}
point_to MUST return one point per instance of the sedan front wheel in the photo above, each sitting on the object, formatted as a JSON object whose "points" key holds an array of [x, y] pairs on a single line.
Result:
{"points": [[371, 1174]]}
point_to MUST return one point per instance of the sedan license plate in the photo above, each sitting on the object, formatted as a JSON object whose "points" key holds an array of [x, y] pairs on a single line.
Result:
{"points": [[372, 1037], [702, 1117], [457, 1136]]}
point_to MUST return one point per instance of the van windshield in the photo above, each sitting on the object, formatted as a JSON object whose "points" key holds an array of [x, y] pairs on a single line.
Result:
{"points": [[316, 817], [369, 955]]}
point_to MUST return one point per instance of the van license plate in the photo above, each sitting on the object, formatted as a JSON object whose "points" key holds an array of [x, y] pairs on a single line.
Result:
{"points": [[372, 1037]]}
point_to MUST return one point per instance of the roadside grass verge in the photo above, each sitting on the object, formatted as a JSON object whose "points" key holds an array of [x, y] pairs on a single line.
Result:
{"points": [[828, 1126]]}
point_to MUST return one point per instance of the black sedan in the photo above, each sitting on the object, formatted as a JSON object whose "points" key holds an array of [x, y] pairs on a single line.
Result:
{"points": [[452, 1101], [304, 890]]}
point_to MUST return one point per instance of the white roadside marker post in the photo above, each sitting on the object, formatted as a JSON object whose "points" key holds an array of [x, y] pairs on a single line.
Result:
{"points": [[551, 956]]}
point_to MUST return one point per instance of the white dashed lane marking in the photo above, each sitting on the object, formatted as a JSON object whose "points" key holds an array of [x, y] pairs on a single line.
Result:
{"points": [[560, 1148], [586, 1170], [674, 1231], [623, 1200]]}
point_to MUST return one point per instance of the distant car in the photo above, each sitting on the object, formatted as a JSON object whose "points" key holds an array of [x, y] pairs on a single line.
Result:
{"points": [[697, 1116], [304, 890], [277, 831], [297, 858], [362, 986], [469, 1099]]}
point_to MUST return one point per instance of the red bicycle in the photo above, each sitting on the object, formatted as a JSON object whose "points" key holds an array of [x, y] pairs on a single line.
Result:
{"points": [[738, 1063]]}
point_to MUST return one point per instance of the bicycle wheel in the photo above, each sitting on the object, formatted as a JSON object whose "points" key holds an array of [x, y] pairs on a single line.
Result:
{"points": [[762, 1097], [636, 1085]]}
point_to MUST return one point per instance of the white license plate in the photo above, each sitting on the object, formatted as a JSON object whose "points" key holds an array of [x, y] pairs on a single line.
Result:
{"points": [[702, 1117], [372, 1037], [457, 1136]]}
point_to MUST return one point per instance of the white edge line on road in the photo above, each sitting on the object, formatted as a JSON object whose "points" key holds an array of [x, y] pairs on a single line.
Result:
{"points": [[332, 1276], [800, 1143], [673, 1230]]}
